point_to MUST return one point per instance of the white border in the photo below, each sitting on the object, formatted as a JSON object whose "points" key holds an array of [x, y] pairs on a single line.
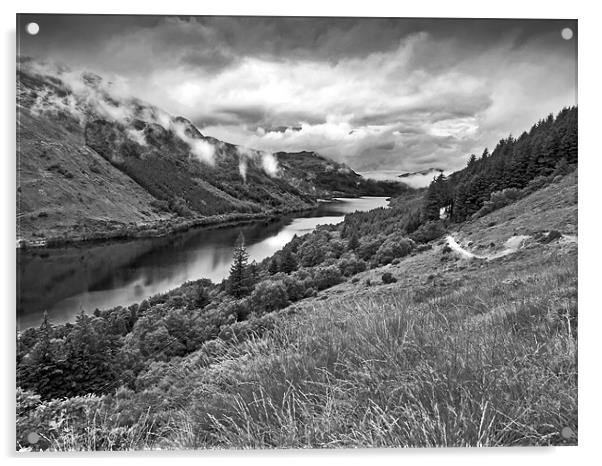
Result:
{"points": [[590, 129]]}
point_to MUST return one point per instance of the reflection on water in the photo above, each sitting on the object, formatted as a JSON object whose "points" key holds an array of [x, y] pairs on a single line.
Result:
{"points": [[65, 280]]}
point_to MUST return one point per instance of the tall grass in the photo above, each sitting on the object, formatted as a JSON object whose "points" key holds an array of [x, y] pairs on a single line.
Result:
{"points": [[489, 358], [490, 363]]}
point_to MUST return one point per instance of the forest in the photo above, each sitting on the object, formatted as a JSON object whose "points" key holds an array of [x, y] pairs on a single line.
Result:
{"points": [[494, 179]]}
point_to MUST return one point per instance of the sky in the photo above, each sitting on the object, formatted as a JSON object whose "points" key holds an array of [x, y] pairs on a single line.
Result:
{"points": [[380, 94]]}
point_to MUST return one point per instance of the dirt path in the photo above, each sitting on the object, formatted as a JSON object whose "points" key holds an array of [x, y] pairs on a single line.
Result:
{"points": [[512, 244]]}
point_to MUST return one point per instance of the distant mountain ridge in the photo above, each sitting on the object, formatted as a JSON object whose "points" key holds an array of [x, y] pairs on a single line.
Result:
{"points": [[92, 159], [426, 171]]}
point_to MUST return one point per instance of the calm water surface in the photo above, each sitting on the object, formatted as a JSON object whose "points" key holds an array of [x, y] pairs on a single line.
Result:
{"points": [[64, 281]]}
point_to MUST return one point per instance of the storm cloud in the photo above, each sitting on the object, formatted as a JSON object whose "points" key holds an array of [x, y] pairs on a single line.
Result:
{"points": [[377, 93]]}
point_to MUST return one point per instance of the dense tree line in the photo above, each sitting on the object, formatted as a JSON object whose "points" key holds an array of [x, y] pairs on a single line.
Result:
{"points": [[549, 148]]}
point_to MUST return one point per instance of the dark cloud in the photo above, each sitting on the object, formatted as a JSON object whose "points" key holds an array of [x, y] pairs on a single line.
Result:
{"points": [[330, 39], [282, 129], [376, 92], [208, 59], [390, 145]]}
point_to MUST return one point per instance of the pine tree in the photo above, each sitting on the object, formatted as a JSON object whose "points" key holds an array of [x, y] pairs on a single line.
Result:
{"points": [[45, 349], [40, 372], [273, 267], [354, 242], [472, 160], [238, 282], [438, 195], [253, 273], [288, 263]]}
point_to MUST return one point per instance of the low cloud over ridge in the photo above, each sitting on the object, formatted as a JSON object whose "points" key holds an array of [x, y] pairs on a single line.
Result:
{"points": [[378, 94]]}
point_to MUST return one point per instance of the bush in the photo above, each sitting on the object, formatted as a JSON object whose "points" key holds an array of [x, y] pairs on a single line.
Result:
{"points": [[423, 247], [269, 296], [241, 331], [549, 237], [497, 200], [350, 264], [314, 250], [387, 277], [325, 277], [535, 184], [392, 249], [179, 207], [368, 248], [295, 288], [160, 205], [428, 232]]}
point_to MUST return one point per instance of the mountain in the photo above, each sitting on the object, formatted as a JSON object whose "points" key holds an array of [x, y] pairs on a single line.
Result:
{"points": [[316, 174], [95, 162]]}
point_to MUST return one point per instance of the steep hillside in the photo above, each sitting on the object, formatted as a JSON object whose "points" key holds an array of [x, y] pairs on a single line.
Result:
{"points": [[549, 148], [66, 188], [96, 163]]}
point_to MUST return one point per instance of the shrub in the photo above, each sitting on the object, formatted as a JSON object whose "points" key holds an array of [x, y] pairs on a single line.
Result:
{"points": [[392, 249], [350, 264], [368, 248], [160, 205], [497, 200], [269, 296], [549, 237], [241, 331], [325, 277], [428, 232], [313, 250], [535, 184], [423, 247], [179, 207], [295, 288], [387, 277]]}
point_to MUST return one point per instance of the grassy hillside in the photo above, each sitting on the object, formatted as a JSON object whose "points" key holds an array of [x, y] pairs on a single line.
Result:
{"points": [[65, 188], [416, 347]]}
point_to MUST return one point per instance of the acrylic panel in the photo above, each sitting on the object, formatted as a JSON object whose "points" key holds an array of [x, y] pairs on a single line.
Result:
{"points": [[295, 232]]}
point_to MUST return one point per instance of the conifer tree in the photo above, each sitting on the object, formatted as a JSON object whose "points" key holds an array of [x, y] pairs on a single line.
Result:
{"points": [[288, 263], [253, 273], [354, 242], [45, 350], [238, 282], [273, 267]]}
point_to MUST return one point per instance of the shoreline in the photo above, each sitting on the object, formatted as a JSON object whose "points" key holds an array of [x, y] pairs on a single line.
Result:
{"points": [[158, 229]]}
